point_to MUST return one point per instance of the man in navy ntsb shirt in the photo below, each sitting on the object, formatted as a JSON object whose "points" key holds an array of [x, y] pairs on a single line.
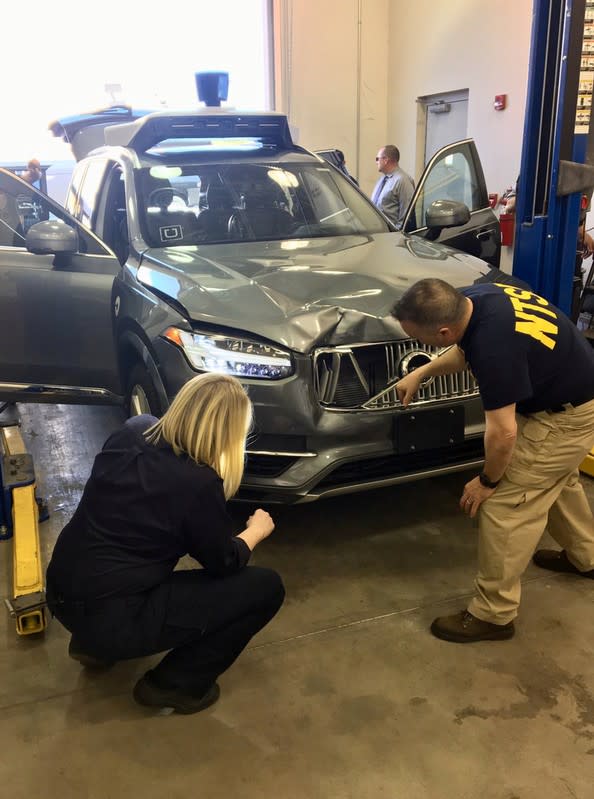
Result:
{"points": [[535, 373]]}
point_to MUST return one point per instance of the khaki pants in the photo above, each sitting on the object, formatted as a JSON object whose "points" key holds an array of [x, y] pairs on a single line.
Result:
{"points": [[541, 486]]}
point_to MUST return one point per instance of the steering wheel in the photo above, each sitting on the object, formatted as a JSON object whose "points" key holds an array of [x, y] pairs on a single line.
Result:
{"points": [[162, 197], [237, 227]]}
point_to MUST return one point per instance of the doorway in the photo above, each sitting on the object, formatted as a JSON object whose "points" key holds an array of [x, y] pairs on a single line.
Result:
{"points": [[446, 120]]}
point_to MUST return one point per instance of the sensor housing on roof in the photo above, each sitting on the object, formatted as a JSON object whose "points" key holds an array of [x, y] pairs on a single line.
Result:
{"points": [[212, 87], [152, 129]]}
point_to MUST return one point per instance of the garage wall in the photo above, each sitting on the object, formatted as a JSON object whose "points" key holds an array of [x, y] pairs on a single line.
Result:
{"points": [[349, 72], [331, 75], [462, 44]]}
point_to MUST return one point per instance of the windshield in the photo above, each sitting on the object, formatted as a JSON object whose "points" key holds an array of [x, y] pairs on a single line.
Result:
{"points": [[213, 203]]}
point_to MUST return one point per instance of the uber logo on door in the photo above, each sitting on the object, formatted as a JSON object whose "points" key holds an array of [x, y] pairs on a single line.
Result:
{"points": [[171, 233]]}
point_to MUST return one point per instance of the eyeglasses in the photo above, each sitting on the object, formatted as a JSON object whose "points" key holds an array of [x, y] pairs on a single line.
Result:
{"points": [[380, 158]]}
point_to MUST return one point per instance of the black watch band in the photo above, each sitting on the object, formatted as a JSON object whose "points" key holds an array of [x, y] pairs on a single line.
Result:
{"points": [[486, 482]]}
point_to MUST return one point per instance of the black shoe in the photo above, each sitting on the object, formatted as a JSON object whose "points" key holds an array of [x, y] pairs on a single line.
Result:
{"points": [[464, 628], [557, 561], [88, 661], [149, 694]]}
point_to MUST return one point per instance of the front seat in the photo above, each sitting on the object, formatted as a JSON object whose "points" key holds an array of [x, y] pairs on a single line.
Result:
{"points": [[167, 224], [260, 218], [213, 221]]}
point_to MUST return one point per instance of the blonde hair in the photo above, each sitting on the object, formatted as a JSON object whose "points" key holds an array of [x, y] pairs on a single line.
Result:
{"points": [[209, 420]]}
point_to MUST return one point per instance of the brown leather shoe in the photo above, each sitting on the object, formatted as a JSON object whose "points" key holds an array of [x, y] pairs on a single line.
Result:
{"points": [[464, 628], [557, 561]]}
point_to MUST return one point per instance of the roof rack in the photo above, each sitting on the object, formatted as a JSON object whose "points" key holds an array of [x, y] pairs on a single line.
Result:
{"points": [[143, 134]]}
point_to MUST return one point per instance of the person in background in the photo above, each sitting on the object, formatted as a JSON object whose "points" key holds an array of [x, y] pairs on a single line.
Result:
{"points": [[585, 243], [158, 491], [394, 189], [341, 164], [33, 173], [585, 240], [539, 418]]}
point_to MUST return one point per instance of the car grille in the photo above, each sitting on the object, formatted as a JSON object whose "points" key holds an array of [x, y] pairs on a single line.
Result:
{"points": [[362, 376]]}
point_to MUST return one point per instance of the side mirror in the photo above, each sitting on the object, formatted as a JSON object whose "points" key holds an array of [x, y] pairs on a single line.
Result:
{"points": [[52, 238], [446, 213]]}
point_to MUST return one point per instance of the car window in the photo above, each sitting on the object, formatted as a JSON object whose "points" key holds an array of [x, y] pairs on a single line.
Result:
{"points": [[21, 207], [450, 177], [73, 196], [89, 190], [15, 213], [114, 230], [209, 203]]}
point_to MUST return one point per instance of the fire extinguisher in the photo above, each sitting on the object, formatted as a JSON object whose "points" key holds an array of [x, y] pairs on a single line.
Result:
{"points": [[507, 217]]}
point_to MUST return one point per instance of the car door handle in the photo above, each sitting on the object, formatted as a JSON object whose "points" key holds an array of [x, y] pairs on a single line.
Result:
{"points": [[483, 235]]}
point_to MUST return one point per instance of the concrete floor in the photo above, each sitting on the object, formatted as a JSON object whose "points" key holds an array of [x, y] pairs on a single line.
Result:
{"points": [[345, 694]]}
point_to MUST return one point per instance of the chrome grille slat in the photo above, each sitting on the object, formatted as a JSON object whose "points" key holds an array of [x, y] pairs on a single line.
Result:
{"points": [[343, 373]]}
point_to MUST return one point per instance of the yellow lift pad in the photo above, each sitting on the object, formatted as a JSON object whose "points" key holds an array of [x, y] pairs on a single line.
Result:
{"points": [[27, 572], [587, 466], [28, 602]]}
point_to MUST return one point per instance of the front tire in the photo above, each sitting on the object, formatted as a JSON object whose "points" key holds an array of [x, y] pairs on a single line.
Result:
{"points": [[141, 394]]}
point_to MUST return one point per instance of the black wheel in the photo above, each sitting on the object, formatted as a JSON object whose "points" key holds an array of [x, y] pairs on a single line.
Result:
{"points": [[141, 394]]}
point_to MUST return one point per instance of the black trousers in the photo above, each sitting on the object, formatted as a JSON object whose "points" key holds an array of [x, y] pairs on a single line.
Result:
{"points": [[204, 621]]}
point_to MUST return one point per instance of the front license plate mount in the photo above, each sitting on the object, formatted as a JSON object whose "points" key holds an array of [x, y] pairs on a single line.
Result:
{"points": [[430, 428]]}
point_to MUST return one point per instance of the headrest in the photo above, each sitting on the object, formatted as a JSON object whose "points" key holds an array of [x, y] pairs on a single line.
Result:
{"points": [[259, 196], [219, 196]]}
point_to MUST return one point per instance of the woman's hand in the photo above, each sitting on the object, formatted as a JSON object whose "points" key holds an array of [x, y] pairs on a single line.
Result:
{"points": [[258, 527], [261, 521]]}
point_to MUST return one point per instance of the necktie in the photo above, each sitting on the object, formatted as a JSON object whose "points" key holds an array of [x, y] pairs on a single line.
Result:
{"points": [[378, 191]]}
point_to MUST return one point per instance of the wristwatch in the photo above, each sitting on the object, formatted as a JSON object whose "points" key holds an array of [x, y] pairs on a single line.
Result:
{"points": [[484, 480]]}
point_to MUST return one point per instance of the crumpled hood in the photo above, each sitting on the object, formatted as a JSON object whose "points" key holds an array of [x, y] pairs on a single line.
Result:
{"points": [[304, 293]]}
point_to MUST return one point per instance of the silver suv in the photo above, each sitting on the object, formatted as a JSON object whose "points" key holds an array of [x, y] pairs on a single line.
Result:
{"points": [[210, 241]]}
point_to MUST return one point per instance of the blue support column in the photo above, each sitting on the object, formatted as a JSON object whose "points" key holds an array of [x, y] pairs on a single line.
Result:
{"points": [[547, 223]]}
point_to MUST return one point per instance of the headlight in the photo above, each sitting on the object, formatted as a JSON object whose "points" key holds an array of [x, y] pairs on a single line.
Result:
{"points": [[232, 356]]}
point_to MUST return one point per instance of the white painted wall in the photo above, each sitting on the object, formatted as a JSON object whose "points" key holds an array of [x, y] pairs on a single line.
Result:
{"points": [[443, 45], [331, 75], [348, 73]]}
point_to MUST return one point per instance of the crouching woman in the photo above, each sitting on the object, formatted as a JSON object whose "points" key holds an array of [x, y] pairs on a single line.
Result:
{"points": [[157, 492]]}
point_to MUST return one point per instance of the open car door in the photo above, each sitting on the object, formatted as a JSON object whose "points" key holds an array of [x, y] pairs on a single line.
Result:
{"points": [[56, 310], [455, 173]]}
